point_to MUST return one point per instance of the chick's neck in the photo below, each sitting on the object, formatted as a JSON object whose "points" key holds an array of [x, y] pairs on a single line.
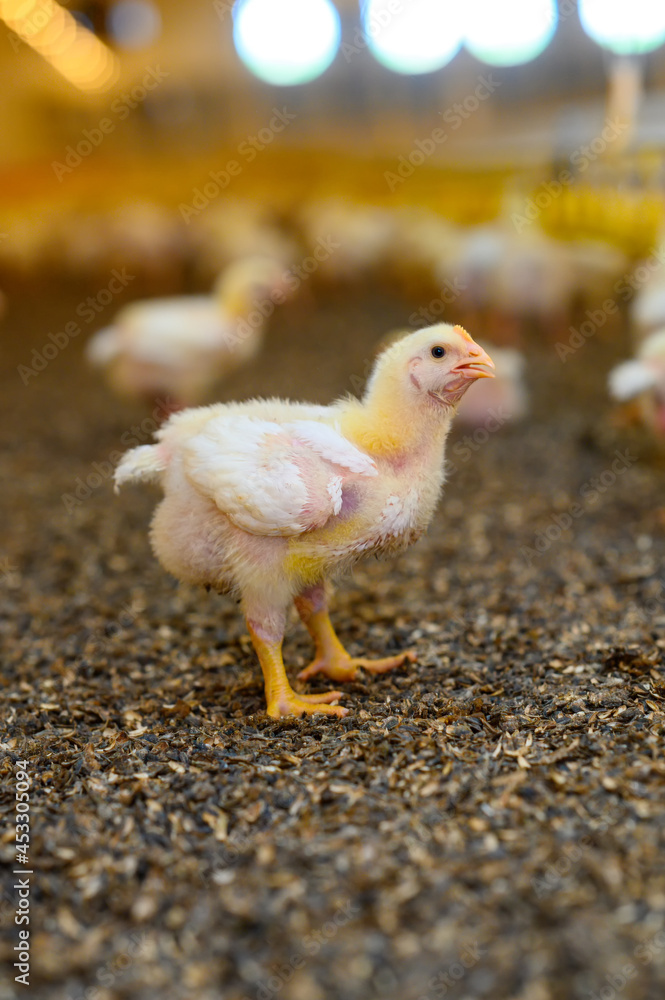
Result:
{"points": [[234, 298], [390, 422]]}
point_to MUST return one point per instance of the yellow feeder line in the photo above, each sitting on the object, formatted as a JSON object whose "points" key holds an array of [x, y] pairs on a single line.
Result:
{"points": [[631, 218]]}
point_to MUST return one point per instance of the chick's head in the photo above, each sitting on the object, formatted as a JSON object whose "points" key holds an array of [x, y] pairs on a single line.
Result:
{"points": [[434, 366], [251, 281]]}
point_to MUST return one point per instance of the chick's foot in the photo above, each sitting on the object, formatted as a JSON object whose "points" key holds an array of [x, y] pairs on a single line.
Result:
{"points": [[341, 667], [288, 702], [280, 697], [331, 658]]}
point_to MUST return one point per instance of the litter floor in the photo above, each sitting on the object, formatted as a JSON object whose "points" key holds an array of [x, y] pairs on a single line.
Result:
{"points": [[488, 822]]}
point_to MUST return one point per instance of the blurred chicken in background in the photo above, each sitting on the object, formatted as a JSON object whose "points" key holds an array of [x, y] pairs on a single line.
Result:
{"points": [[495, 277], [505, 399], [643, 380], [647, 313], [184, 346], [362, 236], [142, 236], [595, 269], [509, 279], [236, 228]]}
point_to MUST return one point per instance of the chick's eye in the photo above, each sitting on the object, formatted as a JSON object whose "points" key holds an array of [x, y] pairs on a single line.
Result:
{"points": [[438, 352]]}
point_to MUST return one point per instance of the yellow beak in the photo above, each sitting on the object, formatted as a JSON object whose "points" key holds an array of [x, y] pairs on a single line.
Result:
{"points": [[478, 365]]}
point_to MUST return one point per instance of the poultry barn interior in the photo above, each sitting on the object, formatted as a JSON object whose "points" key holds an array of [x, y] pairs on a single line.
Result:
{"points": [[311, 181]]}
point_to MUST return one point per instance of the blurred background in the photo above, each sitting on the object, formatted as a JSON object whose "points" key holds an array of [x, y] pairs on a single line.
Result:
{"points": [[500, 166]]}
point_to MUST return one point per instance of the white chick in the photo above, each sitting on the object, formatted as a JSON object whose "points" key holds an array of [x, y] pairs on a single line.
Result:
{"points": [[427, 241], [512, 277], [480, 251], [647, 312], [360, 237], [141, 236], [236, 228], [82, 243], [595, 268], [270, 499], [643, 379], [182, 346], [146, 238]]}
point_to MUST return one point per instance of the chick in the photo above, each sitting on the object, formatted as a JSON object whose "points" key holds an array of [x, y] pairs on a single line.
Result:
{"points": [[142, 236], [238, 227], [269, 499], [512, 278], [182, 346], [644, 379], [360, 237], [647, 312], [595, 269], [505, 398]]}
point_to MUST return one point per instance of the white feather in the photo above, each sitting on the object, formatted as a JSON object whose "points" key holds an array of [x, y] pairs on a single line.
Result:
{"points": [[329, 444], [335, 493], [168, 331], [272, 479], [649, 307], [630, 379], [103, 347], [145, 462]]}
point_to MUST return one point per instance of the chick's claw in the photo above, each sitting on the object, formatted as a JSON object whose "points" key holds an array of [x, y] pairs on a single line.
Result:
{"points": [[345, 668], [291, 703], [386, 664]]}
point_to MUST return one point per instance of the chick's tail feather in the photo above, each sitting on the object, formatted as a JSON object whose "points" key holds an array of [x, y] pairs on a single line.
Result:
{"points": [[143, 463]]}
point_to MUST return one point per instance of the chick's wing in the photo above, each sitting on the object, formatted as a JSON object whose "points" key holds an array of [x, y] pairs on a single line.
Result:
{"points": [[271, 478]]}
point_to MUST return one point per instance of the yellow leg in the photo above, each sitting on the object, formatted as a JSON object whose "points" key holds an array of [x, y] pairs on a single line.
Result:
{"points": [[280, 696], [331, 658]]}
